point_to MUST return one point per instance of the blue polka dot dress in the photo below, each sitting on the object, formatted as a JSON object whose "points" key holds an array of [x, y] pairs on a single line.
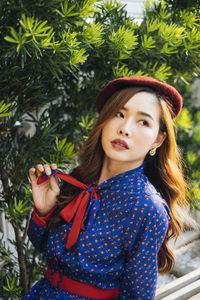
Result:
{"points": [[124, 230]]}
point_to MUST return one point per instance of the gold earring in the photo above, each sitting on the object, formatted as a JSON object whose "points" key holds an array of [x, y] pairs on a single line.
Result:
{"points": [[152, 152]]}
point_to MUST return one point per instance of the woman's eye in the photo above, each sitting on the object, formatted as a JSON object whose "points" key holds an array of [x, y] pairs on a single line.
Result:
{"points": [[119, 114], [144, 123]]}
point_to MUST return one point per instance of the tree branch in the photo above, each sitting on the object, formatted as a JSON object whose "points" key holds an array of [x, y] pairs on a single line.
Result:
{"points": [[31, 269], [5, 182], [26, 227], [21, 260]]}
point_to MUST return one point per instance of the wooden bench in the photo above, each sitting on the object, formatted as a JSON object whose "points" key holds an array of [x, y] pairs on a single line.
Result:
{"points": [[186, 287]]}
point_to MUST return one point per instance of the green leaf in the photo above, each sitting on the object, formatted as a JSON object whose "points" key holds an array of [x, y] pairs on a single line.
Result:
{"points": [[166, 49], [184, 120], [172, 33], [66, 12], [111, 5], [140, 73], [164, 14], [70, 39], [191, 157], [190, 18], [11, 285], [88, 8], [124, 40], [122, 71], [77, 57], [193, 39], [162, 72], [10, 39], [14, 34], [92, 33], [152, 25], [86, 122], [197, 117], [4, 109], [196, 134], [63, 153], [148, 42]]}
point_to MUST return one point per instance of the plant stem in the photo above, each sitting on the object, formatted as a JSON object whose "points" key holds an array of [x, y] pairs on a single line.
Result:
{"points": [[21, 260]]}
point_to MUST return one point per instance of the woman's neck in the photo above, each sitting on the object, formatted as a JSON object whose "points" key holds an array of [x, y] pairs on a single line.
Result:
{"points": [[111, 169]]}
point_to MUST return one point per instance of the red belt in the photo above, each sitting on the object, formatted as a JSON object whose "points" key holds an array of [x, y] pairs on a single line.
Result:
{"points": [[79, 288]]}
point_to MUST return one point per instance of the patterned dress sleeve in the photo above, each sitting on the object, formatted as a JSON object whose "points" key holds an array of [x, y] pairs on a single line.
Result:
{"points": [[144, 236], [37, 231]]}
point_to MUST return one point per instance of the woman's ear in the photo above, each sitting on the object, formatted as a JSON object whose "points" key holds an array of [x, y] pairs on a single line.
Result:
{"points": [[160, 139]]}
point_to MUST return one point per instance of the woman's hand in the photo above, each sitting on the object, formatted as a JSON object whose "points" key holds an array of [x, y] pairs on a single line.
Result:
{"points": [[45, 194]]}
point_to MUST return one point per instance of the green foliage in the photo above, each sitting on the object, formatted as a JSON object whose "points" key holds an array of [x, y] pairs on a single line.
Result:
{"points": [[92, 34], [87, 8], [190, 18], [32, 32], [172, 33], [16, 212], [66, 11], [123, 41], [110, 5], [197, 134], [11, 288], [6, 257], [86, 124], [191, 157], [122, 71], [161, 72], [195, 195], [192, 41], [4, 108], [9, 284], [84, 9], [152, 25], [184, 120], [148, 42], [63, 153], [35, 38]]}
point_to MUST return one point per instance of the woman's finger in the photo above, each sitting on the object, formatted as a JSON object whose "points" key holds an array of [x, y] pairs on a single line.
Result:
{"points": [[53, 166], [47, 170], [54, 185], [32, 176], [40, 168]]}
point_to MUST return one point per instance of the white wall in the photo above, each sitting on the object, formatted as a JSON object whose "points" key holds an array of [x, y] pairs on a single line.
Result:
{"points": [[134, 8]]}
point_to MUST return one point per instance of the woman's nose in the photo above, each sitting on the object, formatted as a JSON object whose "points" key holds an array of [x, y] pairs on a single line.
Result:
{"points": [[125, 129], [124, 132]]}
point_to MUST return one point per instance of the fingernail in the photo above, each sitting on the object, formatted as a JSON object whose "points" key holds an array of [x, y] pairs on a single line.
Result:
{"points": [[39, 173]]}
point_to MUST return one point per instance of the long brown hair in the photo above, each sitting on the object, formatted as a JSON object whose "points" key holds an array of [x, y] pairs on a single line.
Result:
{"points": [[164, 170]]}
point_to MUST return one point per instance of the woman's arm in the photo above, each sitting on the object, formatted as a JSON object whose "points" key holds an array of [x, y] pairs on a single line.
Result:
{"points": [[139, 278], [37, 230], [45, 198]]}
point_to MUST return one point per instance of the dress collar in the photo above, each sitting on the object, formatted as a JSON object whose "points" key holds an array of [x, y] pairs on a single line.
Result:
{"points": [[121, 177]]}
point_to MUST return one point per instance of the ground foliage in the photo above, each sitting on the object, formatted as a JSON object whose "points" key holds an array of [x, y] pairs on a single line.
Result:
{"points": [[54, 57]]}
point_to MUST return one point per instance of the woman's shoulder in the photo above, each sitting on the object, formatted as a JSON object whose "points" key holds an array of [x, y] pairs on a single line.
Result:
{"points": [[148, 200]]}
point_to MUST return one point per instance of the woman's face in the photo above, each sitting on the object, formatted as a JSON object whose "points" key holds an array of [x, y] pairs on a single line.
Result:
{"points": [[133, 131]]}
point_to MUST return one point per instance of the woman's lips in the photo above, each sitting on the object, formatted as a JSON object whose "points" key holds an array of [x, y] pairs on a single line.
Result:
{"points": [[119, 144]]}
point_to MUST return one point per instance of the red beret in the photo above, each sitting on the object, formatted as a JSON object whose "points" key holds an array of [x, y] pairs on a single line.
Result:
{"points": [[165, 90]]}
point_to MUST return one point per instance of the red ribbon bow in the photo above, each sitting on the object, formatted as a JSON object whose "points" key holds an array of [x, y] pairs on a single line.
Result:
{"points": [[77, 207]]}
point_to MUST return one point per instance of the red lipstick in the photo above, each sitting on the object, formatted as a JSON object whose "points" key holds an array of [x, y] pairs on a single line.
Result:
{"points": [[119, 144]]}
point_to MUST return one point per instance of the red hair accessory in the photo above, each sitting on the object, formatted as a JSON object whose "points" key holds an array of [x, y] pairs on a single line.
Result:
{"points": [[167, 91]]}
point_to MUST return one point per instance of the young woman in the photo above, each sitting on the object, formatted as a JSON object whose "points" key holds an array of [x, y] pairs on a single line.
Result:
{"points": [[105, 233]]}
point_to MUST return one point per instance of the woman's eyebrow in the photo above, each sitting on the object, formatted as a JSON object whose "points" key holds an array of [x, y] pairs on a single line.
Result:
{"points": [[145, 114], [140, 113], [124, 108]]}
